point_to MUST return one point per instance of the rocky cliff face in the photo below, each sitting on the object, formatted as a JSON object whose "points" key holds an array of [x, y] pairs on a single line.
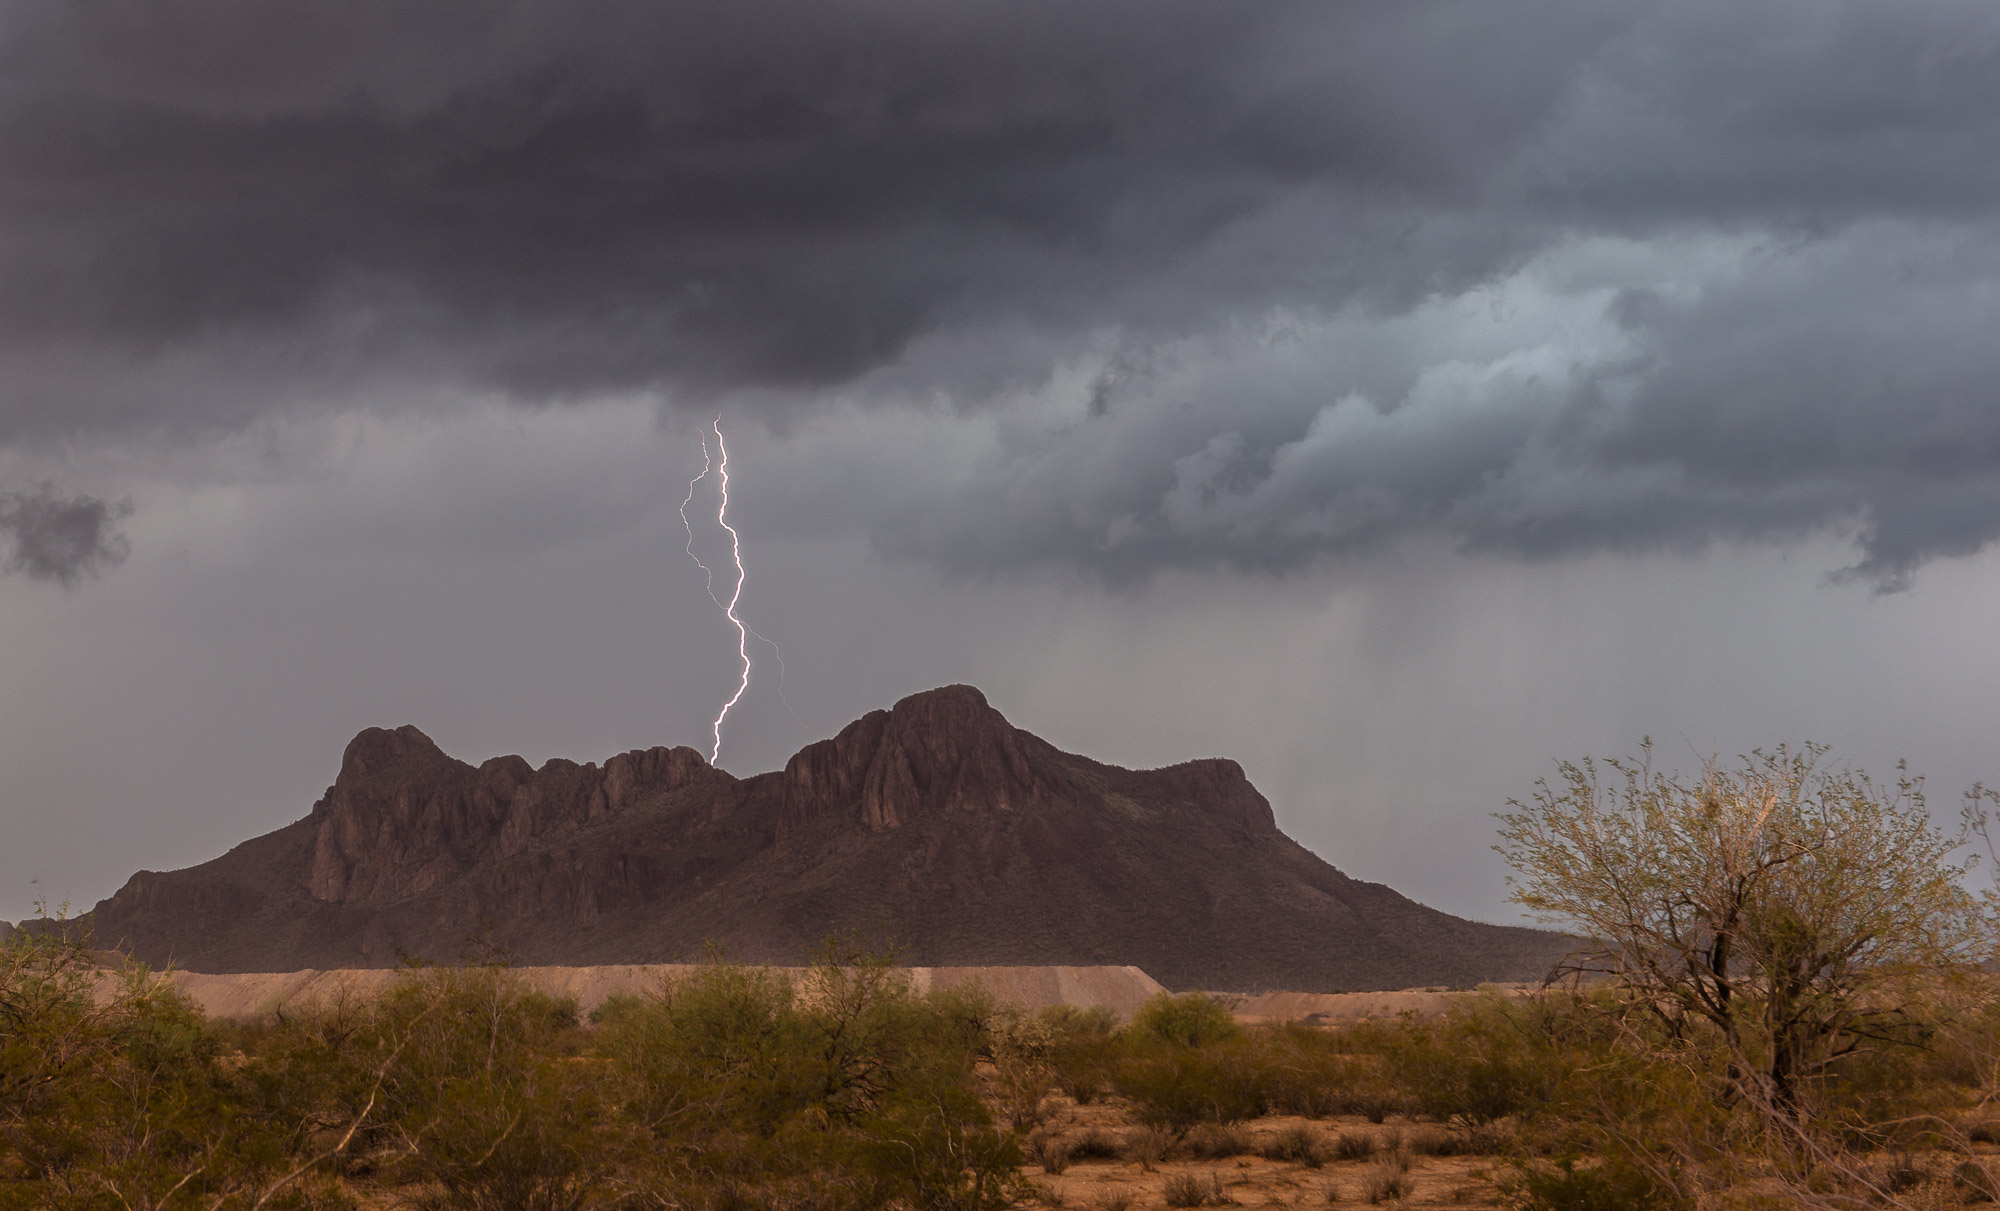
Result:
{"points": [[936, 826], [403, 818]]}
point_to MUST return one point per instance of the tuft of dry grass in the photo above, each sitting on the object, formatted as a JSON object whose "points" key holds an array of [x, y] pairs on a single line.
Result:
{"points": [[1390, 1183], [1051, 1152], [1184, 1190], [1187, 1190], [1147, 1146], [1297, 1144], [1093, 1145], [1974, 1183], [1214, 1142], [1353, 1146]]}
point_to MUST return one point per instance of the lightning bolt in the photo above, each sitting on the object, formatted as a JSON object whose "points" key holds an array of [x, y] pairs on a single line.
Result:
{"points": [[744, 631], [729, 611], [690, 525]]}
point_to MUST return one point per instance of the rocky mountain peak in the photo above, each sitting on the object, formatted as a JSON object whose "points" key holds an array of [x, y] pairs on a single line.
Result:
{"points": [[942, 750], [935, 825], [378, 756]]}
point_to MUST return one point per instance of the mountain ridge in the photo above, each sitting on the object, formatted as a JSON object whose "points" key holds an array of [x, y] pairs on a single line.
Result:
{"points": [[935, 825]]}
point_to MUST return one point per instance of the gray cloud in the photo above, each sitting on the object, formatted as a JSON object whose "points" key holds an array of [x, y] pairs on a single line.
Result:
{"points": [[1750, 391], [212, 213], [60, 538], [554, 199]]}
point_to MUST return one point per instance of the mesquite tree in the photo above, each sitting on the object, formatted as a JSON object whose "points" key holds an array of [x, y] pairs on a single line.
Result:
{"points": [[1791, 910]]}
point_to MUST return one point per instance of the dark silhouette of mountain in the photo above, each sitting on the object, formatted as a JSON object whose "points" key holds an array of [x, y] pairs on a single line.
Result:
{"points": [[936, 826]]}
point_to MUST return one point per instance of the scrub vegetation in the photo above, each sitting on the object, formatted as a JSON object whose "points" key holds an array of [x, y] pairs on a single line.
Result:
{"points": [[1788, 1004]]}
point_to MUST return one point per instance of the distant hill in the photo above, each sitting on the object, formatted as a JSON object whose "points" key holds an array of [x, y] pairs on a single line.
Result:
{"points": [[936, 826]]}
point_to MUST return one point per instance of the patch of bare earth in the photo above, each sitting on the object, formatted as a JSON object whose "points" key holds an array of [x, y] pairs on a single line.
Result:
{"points": [[1381, 1167]]}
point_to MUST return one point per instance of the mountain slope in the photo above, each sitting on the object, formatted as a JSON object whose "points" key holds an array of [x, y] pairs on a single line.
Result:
{"points": [[936, 825]]}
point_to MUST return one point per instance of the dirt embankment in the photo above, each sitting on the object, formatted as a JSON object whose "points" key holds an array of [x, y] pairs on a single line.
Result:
{"points": [[1122, 989]]}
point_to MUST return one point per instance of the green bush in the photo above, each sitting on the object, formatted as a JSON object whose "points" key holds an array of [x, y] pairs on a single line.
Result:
{"points": [[841, 1089], [115, 1099], [1485, 1061], [1082, 1046], [1605, 1187], [1312, 1074], [748, 1087], [484, 1097], [1192, 1019], [1173, 1087]]}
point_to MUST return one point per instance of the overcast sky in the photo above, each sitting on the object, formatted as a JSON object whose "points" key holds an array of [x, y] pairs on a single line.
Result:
{"points": [[1395, 396]]}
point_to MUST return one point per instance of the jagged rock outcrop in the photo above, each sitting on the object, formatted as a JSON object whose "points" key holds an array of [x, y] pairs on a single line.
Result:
{"points": [[403, 818], [936, 826]]}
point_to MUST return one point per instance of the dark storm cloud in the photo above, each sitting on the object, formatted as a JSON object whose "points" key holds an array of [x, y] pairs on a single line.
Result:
{"points": [[211, 211], [60, 538], [556, 199]]}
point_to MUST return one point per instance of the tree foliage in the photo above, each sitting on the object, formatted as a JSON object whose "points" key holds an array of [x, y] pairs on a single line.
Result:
{"points": [[1792, 909]]}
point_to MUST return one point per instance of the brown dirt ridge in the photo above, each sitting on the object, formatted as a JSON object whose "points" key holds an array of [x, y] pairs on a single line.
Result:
{"points": [[935, 827], [248, 995]]}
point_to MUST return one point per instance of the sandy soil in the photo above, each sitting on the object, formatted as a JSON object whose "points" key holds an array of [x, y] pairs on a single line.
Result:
{"points": [[1251, 1180]]}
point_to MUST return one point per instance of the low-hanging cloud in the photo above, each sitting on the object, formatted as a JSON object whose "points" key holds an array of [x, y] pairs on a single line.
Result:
{"points": [[60, 538], [214, 214]]}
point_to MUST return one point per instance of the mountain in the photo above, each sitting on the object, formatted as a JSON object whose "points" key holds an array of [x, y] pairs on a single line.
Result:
{"points": [[936, 826]]}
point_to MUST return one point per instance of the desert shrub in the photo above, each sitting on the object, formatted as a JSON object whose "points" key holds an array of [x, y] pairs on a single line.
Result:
{"points": [[1184, 1190], [323, 1070], [849, 1084], [1353, 1146], [1173, 1088], [1479, 1140], [1484, 1061], [1311, 1073], [1023, 1050], [1893, 1096], [480, 1093], [1147, 1146], [1192, 1019], [1429, 1141], [1082, 1049], [1051, 1152], [1093, 1145], [1565, 1186], [1378, 1103], [1217, 1141], [934, 1145], [1299, 1145], [1389, 1183], [116, 1099], [1975, 1182], [1112, 1200]]}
